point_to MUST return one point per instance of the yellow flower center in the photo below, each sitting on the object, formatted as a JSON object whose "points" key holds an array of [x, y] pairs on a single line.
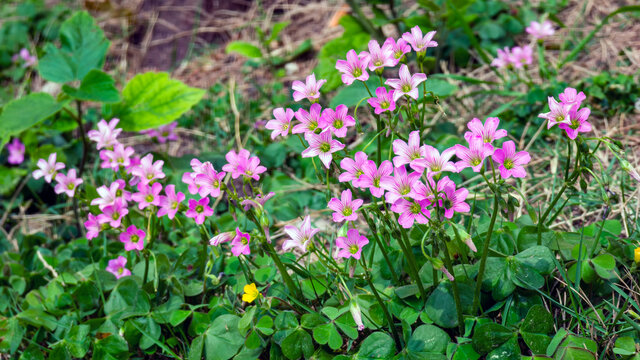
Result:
{"points": [[347, 211], [508, 164], [325, 147], [353, 248]]}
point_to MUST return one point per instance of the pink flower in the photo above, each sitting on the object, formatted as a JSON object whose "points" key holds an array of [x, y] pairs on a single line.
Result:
{"points": [[222, 237], [521, 56], [378, 57], [487, 132], [558, 113], [409, 153], [447, 273], [399, 49], [504, 58], [399, 185], [281, 124], [571, 96], [241, 164], [421, 191], [119, 156], [539, 31], [406, 84], [240, 243], [29, 60], [351, 246], [511, 163], [148, 170], [299, 236], [454, 200], [92, 226], [16, 152], [189, 178], [210, 181], [309, 90], [434, 162], [411, 211], [383, 101], [198, 210], [259, 200], [170, 203], [113, 214], [322, 146], [353, 168], [147, 195], [133, 238], [108, 195], [309, 121], [473, 156], [345, 208], [106, 135], [373, 176], [578, 123], [163, 133], [117, 267], [48, 168], [354, 68], [337, 121], [417, 41], [67, 183]]}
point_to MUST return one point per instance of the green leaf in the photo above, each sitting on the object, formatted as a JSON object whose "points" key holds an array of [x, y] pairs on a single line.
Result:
{"points": [[297, 344], [95, 86], [441, 307], [625, 346], [465, 352], [126, 300], [78, 340], [376, 346], [426, 341], [354, 93], [604, 265], [223, 339], [83, 47], [490, 336], [20, 114], [152, 99], [539, 258], [247, 318], [37, 317], [9, 178], [265, 325], [327, 333], [11, 333], [179, 316], [195, 351], [439, 87], [507, 351], [244, 48], [277, 28], [534, 329]]}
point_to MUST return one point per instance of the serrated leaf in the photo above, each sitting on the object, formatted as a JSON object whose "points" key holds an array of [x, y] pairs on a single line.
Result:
{"points": [[95, 86]]}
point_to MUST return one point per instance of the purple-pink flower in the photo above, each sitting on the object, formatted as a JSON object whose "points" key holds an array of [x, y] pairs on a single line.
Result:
{"points": [[474, 155], [400, 185], [199, 210], [29, 60], [521, 56], [399, 48], [108, 195], [453, 200], [373, 176], [222, 237], [540, 30], [434, 162], [147, 195], [48, 168], [421, 191], [379, 57], [299, 237], [406, 84], [504, 58], [148, 170], [209, 181], [67, 183], [337, 121], [114, 213], [189, 178], [309, 90], [119, 156], [106, 135], [409, 153], [411, 211], [170, 203], [487, 132], [578, 123], [133, 238], [351, 245], [309, 121], [117, 267], [353, 168], [242, 164], [345, 208], [92, 226], [420, 43], [383, 101], [240, 243], [281, 124], [558, 113], [163, 133], [323, 146], [511, 162], [16, 152], [571, 96], [354, 68]]}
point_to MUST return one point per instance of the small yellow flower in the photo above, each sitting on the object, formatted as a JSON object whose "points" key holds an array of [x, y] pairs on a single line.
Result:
{"points": [[636, 254], [250, 293]]}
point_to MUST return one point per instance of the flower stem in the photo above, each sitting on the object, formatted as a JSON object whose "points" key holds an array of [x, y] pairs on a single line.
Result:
{"points": [[456, 292], [485, 252], [283, 271]]}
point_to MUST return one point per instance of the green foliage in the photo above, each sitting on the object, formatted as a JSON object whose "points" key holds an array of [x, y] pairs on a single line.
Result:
{"points": [[244, 48], [21, 114], [95, 86]]}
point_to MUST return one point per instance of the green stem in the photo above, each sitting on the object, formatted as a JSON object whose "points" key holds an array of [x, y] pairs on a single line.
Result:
{"points": [[456, 292], [283, 271], [373, 228], [413, 267], [485, 252]]}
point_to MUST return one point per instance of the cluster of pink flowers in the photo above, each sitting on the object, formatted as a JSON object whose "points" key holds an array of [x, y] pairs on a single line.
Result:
{"points": [[517, 57], [240, 242], [65, 183], [567, 113], [24, 55], [16, 152], [163, 133]]}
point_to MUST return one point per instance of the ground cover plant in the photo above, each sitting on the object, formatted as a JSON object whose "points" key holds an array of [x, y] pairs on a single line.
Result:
{"points": [[349, 214]]}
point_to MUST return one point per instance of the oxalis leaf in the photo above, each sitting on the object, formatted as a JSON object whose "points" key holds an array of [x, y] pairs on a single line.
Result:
{"points": [[223, 339], [535, 329], [83, 47], [152, 99]]}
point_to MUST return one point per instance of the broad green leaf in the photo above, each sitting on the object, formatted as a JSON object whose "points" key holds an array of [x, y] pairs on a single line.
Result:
{"points": [[178, 316], [9, 178], [113, 346], [223, 339], [427, 341], [465, 352], [277, 28], [376, 346], [604, 265], [351, 95], [265, 325], [126, 300], [297, 344], [536, 326], [78, 340], [152, 99], [507, 351], [625, 346], [37, 317], [95, 86], [195, 351], [439, 87], [21, 114], [83, 47], [441, 306], [11, 332], [539, 258], [244, 48], [327, 333], [490, 336]]}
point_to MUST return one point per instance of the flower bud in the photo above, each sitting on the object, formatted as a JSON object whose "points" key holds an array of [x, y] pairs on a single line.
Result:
{"points": [[357, 314]]}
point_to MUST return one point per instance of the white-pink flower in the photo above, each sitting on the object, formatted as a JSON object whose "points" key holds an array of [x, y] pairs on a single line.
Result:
{"points": [[16, 152], [106, 135], [148, 170], [108, 195], [209, 181], [353, 168], [299, 237], [48, 168], [309, 121], [309, 90], [409, 153], [345, 208], [322, 146], [354, 68], [67, 183], [147, 195], [473, 156], [337, 121], [487, 132], [281, 125], [418, 42], [540, 30], [379, 57], [406, 84], [399, 48]]}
